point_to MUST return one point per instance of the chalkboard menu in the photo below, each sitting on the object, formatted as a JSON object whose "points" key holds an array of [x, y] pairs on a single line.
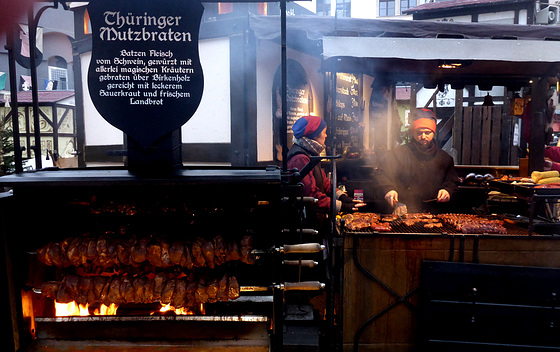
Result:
{"points": [[348, 113], [299, 102], [145, 76]]}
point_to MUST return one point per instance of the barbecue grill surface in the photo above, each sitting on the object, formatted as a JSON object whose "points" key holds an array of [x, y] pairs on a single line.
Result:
{"points": [[399, 228]]}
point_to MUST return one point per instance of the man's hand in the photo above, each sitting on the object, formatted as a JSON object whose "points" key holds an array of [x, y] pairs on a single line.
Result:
{"points": [[349, 204], [357, 204], [392, 197], [443, 196]]}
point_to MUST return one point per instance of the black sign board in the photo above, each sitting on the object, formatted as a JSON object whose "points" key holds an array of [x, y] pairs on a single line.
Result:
{"points": [[348, 113], [145, 76]]}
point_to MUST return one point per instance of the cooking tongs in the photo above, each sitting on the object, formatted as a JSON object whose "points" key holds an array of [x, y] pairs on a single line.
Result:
{"points": [[429, 200]]}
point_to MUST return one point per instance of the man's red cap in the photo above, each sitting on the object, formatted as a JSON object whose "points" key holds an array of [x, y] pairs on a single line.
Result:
{"points": [[424, 119]]}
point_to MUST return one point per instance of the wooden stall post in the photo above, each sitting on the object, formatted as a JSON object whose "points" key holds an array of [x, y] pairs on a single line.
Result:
{"points": [[457, 133]]}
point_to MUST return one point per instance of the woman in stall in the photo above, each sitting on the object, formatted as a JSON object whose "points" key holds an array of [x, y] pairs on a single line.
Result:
{"points": [[310, 133]]}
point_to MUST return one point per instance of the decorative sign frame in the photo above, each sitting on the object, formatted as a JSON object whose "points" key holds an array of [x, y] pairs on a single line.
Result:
{"points": [[145, 76]]}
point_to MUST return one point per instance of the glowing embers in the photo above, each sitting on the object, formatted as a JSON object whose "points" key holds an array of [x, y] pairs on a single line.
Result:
{"points": [[165, 309]]}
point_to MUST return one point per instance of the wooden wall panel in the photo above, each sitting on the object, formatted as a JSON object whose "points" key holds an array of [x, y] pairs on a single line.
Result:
{"points": [[396, 260]]}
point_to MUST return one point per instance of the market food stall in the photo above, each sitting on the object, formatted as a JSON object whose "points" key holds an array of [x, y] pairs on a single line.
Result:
{"points": [[381, 269], [377, 313]]}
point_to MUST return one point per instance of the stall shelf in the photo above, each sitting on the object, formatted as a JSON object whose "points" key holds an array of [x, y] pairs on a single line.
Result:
{"points": [[534, 196]]}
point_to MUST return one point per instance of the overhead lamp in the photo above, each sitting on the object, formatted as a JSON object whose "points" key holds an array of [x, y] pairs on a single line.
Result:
{"points": [[446, 65], [453, 64]]}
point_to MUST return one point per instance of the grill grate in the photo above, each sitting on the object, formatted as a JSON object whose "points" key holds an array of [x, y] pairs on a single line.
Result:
{"points": [[398, 227]]}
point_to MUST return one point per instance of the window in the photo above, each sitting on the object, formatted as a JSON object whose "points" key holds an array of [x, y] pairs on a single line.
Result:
{"points": [[324, 7], [386, 8], [407, 4], [224, 7], [343, 8], [58, 73]]}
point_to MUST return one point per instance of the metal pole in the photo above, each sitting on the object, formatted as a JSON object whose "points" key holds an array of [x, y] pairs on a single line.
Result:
{"points": [[33, 22], [284, 125], [32, 26], [14, 102], [330, 316]]}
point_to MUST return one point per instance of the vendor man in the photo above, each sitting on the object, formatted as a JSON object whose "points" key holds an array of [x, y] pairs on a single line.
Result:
{"points": [[418, 176]]}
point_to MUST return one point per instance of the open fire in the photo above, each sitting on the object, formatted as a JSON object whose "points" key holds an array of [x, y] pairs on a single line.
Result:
{"points": [[75, 309]]}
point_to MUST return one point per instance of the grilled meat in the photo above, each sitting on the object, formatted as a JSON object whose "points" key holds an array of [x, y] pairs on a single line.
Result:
{"points": [[232, 252], [139, 251], [179, 297], [73, 252], [221, 294], [98, 284], [198, 257], [159, 285], [200, 293], [155, 254], [212, 291], [127, 290], [114, 294], [176, 252], [184, 292], [85, 287], [246, 248], [49, 289], [365, 221], [105, 253], [467, 223], [220, 251], [139, 285], [207, 249], [233, 288], [463, 223], [168, 291]]}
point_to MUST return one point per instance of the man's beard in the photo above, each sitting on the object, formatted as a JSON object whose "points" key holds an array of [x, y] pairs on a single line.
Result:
{"points": [[424, 144]]}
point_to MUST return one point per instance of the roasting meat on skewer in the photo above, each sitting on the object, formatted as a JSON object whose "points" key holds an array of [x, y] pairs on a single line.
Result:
{"points": [[105, 252], [122, 289], [246, 247]]}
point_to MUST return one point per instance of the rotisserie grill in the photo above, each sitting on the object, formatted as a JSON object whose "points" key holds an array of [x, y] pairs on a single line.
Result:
{"points": [[219, 247]]}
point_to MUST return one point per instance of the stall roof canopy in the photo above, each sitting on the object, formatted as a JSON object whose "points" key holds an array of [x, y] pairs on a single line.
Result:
{"points": [[45, 97], [414, 51]]}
